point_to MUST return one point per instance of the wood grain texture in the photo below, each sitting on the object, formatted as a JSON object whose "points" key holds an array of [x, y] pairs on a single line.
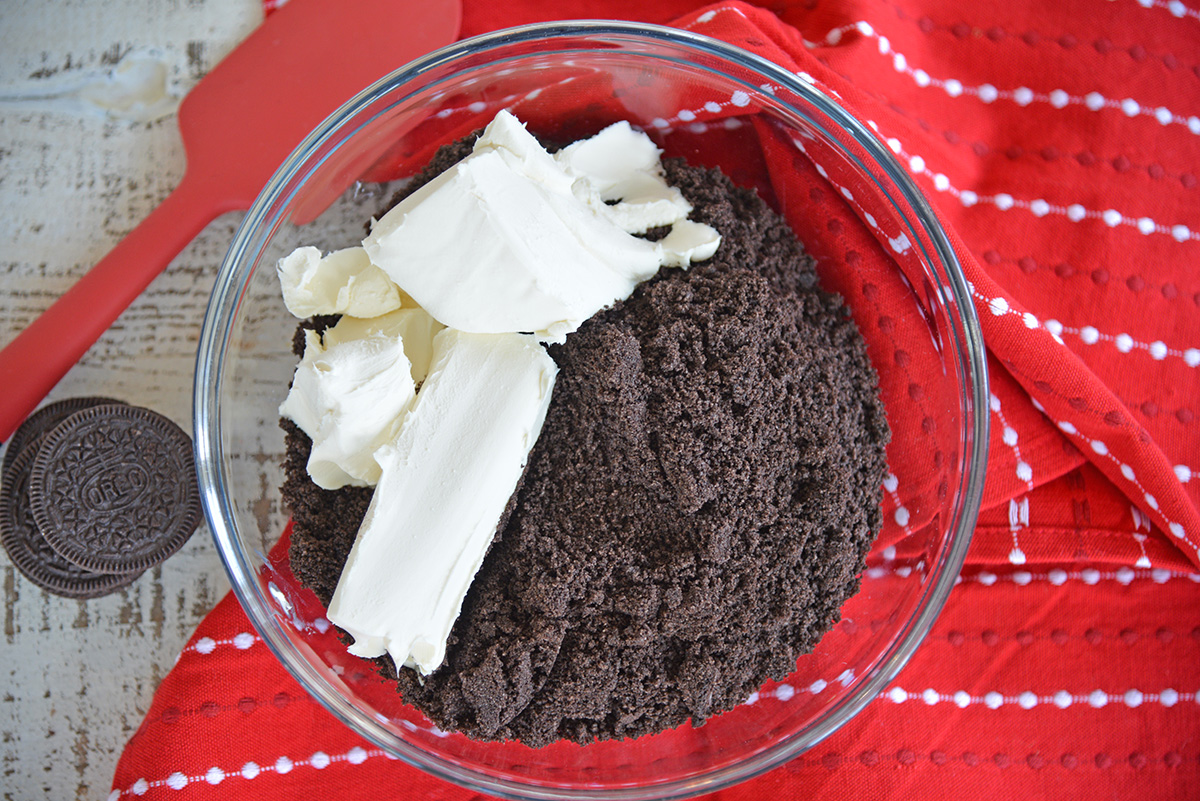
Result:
{"points": [[81, 163]]}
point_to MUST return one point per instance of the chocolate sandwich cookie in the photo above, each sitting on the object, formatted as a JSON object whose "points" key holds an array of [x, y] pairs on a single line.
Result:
{"points": [[30, 552], [113, 489], [45, 420]]}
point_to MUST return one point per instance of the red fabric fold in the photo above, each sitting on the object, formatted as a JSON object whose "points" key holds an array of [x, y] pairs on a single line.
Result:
{"points": [[1059, 145]]}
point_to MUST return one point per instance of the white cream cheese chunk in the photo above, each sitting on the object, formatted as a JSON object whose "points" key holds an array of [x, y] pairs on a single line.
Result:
{"points": [[687, 242], [445, 483], [621, 179], [344, 282], [512, 239], [412, 325], [352, 389]]}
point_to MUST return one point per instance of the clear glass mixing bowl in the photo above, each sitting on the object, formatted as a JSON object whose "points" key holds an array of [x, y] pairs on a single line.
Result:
{"points": [[568, 80]]}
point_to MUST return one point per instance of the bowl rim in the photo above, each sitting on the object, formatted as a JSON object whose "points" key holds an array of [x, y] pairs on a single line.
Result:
{"points": [[214, 342]]}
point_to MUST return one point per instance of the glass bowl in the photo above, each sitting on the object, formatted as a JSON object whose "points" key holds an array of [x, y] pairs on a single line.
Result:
{"points": [[568, 80]]}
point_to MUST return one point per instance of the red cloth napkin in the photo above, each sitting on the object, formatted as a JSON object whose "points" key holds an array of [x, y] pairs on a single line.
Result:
{"points": [[1060, 144]]}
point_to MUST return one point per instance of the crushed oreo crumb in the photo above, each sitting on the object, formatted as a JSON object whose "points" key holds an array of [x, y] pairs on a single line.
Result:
{"points": [[695, 512]]}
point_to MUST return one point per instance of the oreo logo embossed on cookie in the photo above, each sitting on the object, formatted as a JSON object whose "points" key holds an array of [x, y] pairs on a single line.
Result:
{"points": [[43, 421], [28, 549], [113, 489]]}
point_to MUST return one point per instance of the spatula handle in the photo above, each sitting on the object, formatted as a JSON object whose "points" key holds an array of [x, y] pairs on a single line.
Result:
{"points": [[34, 362]]}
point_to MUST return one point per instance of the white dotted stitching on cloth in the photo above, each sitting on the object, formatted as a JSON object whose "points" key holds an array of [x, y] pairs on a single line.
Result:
{"points": [[1018, 518], [1009, 434], [1023, 95], [1175, 7], [1101, 449], [738, 99], [899, 244], [1140, 521], [1088, 334], [206, 645], [1062, 699], [251, 770], [999, 306], [786, 692], [1074, 212], [1057, 577], [1124, 343], [835, 35], [708, 16], [1089, 576], [903, 571], [901, 515]]}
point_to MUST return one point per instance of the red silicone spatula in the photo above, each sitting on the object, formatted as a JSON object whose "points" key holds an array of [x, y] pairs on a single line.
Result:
{"points": [[238, 125]]}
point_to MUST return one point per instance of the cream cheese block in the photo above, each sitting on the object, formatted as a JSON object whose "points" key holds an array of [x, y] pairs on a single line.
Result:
{"points": [[445, 482]]}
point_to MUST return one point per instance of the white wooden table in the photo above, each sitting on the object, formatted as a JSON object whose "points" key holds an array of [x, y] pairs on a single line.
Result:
{"points": [[80, 165]]}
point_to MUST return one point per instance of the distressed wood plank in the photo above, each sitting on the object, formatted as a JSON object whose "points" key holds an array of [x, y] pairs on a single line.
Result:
{"points": [[79, 675]]}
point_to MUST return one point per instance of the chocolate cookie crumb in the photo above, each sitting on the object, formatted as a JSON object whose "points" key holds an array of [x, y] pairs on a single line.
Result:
{"points": [[324, 522], [695, 512]]}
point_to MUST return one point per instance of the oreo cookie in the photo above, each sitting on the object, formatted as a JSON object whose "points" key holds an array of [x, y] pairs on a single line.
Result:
{"points": [[28, 549], [113, 489], [43, 421]]}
